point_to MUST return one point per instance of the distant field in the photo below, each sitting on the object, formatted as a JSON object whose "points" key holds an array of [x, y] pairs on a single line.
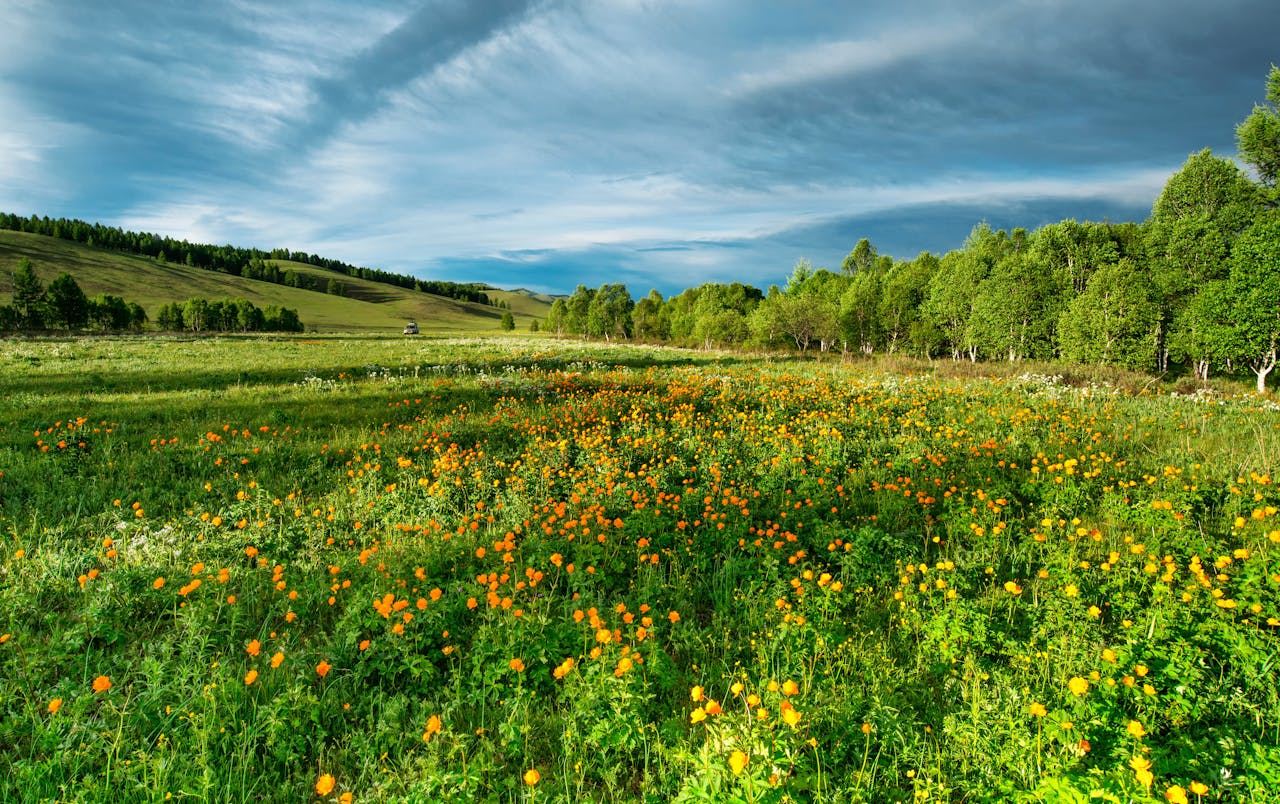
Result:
{"points": [[369, 307], [523, 569]]}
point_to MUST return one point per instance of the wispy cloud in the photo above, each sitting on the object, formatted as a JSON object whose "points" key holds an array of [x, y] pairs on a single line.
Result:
{"points": [[542, 141]]}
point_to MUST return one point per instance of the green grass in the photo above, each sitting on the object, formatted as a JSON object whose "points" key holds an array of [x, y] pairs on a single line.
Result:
{"points": [[369, 307], [776, 580]]}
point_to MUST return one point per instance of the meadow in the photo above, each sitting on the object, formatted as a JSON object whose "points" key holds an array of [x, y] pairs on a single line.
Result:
{"points": [[356, 568]]}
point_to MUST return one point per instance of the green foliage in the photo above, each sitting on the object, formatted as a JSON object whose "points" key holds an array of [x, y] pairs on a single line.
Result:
{"points": [[1258, 136], [508, 322], [66, 304], [1112, 322]]}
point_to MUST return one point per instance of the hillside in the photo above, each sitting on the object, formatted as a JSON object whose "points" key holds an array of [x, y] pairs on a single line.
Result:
{"points": [[367, 307]]}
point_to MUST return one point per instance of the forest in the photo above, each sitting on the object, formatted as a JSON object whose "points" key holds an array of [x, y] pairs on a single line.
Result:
{"points": [[1193, 288]]}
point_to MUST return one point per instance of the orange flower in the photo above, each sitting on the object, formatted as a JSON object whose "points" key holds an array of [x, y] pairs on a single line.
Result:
{"points": [[250, 677], [323, 668], [346, 798], [253, 647], [277, 659], [55, 705], [433, 727], [532, 777], [517, 665], [324, 785], [102, 684], [790, 688], [674, 616], [158, 583]]}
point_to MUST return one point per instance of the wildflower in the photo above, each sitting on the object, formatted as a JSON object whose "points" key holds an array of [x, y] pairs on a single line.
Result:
{"points": [[1078, 685], [696, 694], [253, 647], [323, 668], [737, 761], [433, 728], [698, 715], [790, 688], [517, 665], [1038, 710], [276, 660], [532, 777], [55, 705], [1176, 795], [1199, 788], [674, 617], [102, 684], [324, 785], [1135, 728], [1142, 770], [1012, 588], [791, 716], [250, 677], [158, 583]]}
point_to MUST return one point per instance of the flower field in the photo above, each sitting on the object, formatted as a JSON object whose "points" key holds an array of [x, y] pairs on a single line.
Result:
{"points": [[354, 569]]}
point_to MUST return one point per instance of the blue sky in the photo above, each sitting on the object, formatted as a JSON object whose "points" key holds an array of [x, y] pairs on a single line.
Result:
{"points": [[546, 143]]}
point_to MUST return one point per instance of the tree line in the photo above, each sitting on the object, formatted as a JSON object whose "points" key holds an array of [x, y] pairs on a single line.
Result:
{"points": [[64, 305], [226, 315], [1196, 285]]}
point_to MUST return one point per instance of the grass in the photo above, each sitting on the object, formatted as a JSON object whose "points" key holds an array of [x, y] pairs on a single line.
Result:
{"points": [[369, 306], [508, 569]]}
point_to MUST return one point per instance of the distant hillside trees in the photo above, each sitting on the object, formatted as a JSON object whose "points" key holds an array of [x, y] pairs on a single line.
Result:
{"points": [[247, 262]]}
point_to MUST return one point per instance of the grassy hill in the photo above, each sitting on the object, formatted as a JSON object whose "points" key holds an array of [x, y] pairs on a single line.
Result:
{"points": [[366, 307]]}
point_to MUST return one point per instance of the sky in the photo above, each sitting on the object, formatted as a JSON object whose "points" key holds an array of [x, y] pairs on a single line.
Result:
{"points": [[661, 143]]}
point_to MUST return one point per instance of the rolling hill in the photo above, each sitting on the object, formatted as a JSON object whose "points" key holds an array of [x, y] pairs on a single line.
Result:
{"points": [[367, 306]]}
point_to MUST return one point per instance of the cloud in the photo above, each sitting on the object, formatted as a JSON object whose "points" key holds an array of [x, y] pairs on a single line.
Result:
{"points": [[667, 141]]}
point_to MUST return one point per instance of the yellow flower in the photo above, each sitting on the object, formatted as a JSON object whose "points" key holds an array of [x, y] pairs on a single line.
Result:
{"points": [[1199, 788], [532, 777], [1038, 710], [1135, 729], [698, 715], [1176, 795], [790, 715], [1142, 770], [324, 785], [1078, 685], [790, 688], [737, 761], [696, 694]]}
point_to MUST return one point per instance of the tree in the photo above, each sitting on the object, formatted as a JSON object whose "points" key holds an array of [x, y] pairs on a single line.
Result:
{"points": [[576, 310], [68, 306], [1200, 212], [335, 288], [649, 318], [169, 317], [609, 313], [508, 322], [109, 312], [902, 293], [195, 314], [1254, 290], [1113, 321], [137, 317], [1258, 137], [28, 295], [861, 259], [556, 316], [859, 321], [1015, 309]]}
